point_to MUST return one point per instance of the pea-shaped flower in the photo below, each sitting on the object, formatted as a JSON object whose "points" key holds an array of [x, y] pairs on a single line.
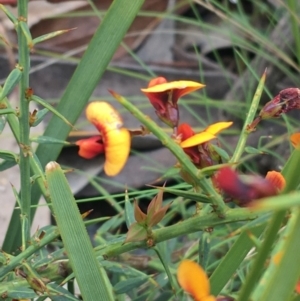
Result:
{"points": [[113, 139]]}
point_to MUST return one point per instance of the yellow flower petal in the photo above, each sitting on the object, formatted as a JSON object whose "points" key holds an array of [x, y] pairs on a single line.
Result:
{"points": [[181, 84], [115, 138], [194, 280], [295, 140], [218, 127], [117, 148], [197, 139], [102, 114]]}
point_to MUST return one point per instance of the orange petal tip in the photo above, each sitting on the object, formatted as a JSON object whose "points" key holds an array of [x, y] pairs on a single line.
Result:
{"points": [[218, 127], [103, 116], [193, 279], [197, 139], [277, 179], [295, 140]]}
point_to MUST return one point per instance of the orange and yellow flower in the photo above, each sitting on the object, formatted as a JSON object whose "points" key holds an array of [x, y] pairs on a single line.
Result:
{"points": [[164, 97], [113, 140], [194, 281], [197, 146]]}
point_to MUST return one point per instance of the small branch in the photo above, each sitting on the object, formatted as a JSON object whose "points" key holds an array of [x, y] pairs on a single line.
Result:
{"points": [[249, 119], [25, 152], [191, 225]]}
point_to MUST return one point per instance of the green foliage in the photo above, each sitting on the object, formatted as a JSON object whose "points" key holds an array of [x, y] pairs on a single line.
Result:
{"points": [[250, 253]]}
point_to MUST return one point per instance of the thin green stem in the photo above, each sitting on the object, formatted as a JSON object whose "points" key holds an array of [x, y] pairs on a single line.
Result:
{"points": [[24, 62], [196, 175], [249, 119]]}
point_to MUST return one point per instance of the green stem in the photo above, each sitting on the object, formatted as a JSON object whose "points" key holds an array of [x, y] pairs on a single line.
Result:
{"points": [[191, 225], [249, 119], [24, 62], [196, 174]]}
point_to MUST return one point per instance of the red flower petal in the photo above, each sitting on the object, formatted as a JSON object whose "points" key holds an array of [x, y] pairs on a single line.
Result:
{"points": [[185, 131], [90, 147], [157, 81]]}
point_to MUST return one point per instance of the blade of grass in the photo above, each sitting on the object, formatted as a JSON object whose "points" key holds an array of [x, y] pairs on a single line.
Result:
{"points": [[92, 279], [233, 259], [283, 272]]}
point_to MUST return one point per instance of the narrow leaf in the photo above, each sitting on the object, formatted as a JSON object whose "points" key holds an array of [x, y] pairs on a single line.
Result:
{"points": [[139, 215], [21, 293], [158, 216], [50, 35], [91, 278], [221, 152], [45, 139], [7, 164], [10, 16], [2, 123], [50, 108], [232, 260], [129, 211], [9, 156], [26, 32], [7, 111], [125, 286], [253, 150], [11, 81], [198, 197], [155, 205]]}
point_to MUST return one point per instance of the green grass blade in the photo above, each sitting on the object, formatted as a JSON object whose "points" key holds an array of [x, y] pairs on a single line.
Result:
{"points": [[283, 272], [258, 264], [91, 278], [233, 259], [83, 82], [291, 171]]}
